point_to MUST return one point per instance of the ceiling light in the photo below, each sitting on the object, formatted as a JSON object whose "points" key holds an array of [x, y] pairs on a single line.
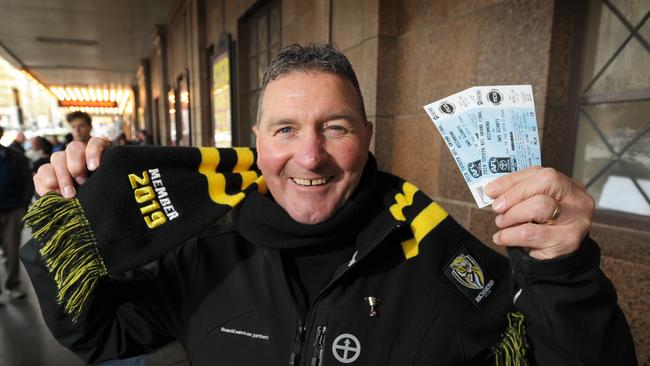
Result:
{"points": [[86, 95]]}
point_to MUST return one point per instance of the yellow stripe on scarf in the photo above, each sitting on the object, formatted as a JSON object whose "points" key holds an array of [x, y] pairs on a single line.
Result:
{"points": [[425, 221], [210, 160]]}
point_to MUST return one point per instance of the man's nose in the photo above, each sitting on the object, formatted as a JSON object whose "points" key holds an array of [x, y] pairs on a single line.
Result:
{"points": [[311, 150]]}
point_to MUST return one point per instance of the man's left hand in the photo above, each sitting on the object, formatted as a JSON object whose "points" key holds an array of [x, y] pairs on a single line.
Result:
{"points": [[541, 210]]}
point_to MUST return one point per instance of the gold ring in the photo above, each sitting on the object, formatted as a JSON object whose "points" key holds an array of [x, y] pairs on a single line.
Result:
{"points": [[556, 213]]}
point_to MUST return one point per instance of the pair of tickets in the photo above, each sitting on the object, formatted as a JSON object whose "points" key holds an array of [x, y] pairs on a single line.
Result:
{"points": [[490, 131]]}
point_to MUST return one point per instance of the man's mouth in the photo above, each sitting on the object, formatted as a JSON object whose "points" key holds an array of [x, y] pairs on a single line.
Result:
{"points": [[310, 182]]}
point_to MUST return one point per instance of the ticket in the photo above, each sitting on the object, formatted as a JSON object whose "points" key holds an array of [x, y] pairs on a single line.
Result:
{"points": [[456, 120], [501, 129], [507, 129]]}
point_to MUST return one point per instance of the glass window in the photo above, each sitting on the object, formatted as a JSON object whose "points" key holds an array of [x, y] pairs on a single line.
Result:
{"points": [[612, 156], [263, 30]]}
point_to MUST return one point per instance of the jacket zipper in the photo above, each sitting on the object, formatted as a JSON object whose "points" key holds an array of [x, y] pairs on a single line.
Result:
{"points": [[319, 346], [297, 345]]}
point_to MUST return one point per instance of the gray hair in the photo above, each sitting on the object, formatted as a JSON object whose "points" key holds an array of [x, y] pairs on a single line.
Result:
{"points": [[324, 57]]}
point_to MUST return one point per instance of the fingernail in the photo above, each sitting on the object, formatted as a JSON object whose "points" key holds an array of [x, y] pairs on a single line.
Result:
{"points": [[495, 238], [498, 219], [68, 192], [498, 204], [491, 188], [92, 164], [80, 180]]}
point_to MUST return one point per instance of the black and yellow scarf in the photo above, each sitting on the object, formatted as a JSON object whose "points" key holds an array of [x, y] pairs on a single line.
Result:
{"points": [[143, 202]]}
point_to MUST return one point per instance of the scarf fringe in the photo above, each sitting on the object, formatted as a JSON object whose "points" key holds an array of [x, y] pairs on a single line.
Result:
{"points": [[69, 249], [511, 350]]}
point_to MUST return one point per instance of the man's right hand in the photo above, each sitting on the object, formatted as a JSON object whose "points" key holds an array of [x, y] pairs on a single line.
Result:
{"points": [[70, 166]]}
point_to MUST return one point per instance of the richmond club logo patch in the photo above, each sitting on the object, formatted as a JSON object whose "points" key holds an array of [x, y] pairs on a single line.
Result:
{"points": [[466, 271], [467, 275]]}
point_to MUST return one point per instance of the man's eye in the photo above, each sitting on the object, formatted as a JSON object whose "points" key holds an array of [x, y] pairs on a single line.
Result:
{"points": [[284, 130], [336, 129]]}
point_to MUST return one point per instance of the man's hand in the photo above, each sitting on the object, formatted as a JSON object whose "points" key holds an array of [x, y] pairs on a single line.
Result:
{"points": [[526, 202], [69, 166]]}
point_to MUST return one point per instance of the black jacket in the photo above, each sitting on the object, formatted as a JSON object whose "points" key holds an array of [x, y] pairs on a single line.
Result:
{"points": [[16, 185], [224, 296]]}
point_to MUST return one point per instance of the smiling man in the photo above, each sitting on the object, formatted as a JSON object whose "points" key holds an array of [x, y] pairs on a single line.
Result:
{"points": [[312, 141], [343, 264]]}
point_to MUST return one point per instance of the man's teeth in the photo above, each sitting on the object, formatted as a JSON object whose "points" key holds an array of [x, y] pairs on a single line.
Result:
{"points": [[309, 182]]}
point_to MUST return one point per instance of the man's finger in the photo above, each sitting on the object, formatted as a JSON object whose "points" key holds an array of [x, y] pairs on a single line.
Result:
{"points": [[526, 235], [539, 240], [546, 181], [496, 187], [94, 151], [45, 180], [536, 209], [66, 185], [76, 161]]}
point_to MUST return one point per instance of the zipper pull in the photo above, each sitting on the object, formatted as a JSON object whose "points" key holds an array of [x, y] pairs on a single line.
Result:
{"points": [[297, 345], [319, 347]]}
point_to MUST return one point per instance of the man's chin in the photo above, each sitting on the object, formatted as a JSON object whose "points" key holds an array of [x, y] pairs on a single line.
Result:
{"points": [[311, 217]]}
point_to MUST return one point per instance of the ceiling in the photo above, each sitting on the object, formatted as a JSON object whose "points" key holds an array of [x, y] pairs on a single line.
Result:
{"points": [[79, 42]]}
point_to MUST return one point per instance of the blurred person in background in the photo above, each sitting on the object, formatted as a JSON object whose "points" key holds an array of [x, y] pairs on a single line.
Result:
{"points": [[16, 190], [67, 139], [57, 145], [18, 142], [35, 149], [39, 153], [81, 125], [121, 140], [53, 140], [143, 138]]}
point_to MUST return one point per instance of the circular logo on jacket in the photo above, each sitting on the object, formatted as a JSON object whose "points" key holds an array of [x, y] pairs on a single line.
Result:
{"points": [[346, 348]]}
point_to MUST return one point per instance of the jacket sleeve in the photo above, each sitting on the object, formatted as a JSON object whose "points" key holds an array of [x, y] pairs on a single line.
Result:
{"points": [[572, 317], [125, 316]]}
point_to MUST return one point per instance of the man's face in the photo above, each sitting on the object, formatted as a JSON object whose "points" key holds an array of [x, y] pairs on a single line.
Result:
{"points": [[80, 130], [312, 143]]}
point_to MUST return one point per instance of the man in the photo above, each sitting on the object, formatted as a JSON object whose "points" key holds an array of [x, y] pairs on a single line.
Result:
{"points": [[81, 125], [16, 190], [342, 264], [18, 142]]}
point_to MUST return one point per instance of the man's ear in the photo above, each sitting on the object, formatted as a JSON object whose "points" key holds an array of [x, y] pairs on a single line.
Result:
{"points": [[256, 131], [370, 129]]}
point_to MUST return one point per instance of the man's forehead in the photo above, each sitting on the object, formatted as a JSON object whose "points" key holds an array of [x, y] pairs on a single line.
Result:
{"points": [[284, 97], [79, 121]]}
